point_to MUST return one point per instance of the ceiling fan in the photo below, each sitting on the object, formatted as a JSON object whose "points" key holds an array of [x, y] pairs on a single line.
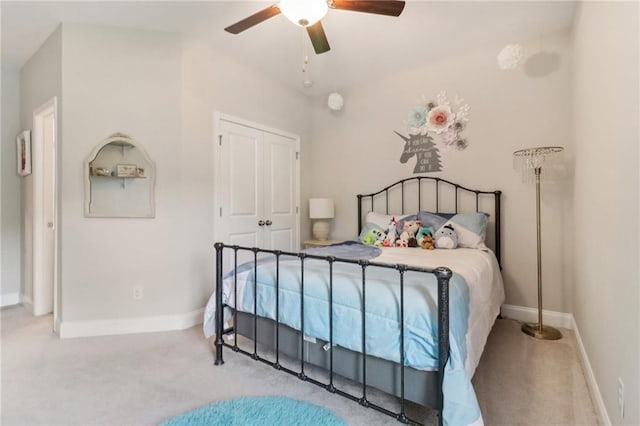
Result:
{"points": [[308, 13]]}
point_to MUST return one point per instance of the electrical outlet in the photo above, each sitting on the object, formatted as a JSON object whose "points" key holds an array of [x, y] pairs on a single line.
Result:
{"points": [[137, 292], [621, 397]]}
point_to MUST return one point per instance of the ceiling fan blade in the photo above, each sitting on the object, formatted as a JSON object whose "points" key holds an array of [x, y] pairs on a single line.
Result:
{"points": [[252, 20], [379, 7], [318, 38]]}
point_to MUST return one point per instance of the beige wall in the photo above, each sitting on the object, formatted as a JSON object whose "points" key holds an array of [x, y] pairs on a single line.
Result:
{"points": [[128, 81], [605, 102], [213, 82], [355, 151], [10, 201], [161, 90]]}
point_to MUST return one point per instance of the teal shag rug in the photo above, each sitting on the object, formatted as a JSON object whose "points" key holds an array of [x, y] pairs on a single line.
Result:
{"points": [[261, 411]]}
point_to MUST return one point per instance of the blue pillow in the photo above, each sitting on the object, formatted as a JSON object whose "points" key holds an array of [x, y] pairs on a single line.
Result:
{"points": [[471, 228], [433, 220]]}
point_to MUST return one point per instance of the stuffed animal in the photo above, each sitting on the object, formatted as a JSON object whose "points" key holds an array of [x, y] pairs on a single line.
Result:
{"points": [[409, 230], [428, 243], [380, 237], [446, 238], [390, 239], [423, 232], [370, 237]]}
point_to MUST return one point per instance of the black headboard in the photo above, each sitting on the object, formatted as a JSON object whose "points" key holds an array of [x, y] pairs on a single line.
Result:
{"points": [[430, 194]]}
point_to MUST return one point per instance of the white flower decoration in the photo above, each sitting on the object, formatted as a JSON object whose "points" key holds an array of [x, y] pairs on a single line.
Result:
{"points": [[510, 57]]}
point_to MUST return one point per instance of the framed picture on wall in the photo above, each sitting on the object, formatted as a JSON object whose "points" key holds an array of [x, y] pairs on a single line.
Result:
{"points": [[23, 148], [126, 170]]}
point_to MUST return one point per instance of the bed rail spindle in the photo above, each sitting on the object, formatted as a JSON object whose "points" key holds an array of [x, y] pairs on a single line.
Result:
{"points": [[330, 387], [235, 298], [255, 303], [402, 193], [219, 313], [443, 275], [496, 211], [359, 213], [402, 417], [386, 199], [419, 194], [477, 203], [301, 375], [456, 193], [437, 195], [276, 365], [363, 401]]}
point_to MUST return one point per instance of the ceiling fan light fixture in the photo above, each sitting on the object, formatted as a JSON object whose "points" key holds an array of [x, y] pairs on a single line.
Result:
{"points": [[304, 13]]}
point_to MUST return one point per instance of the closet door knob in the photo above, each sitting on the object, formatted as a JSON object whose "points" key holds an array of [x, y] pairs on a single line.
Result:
{"points": [[261, 223], [268, 222]]}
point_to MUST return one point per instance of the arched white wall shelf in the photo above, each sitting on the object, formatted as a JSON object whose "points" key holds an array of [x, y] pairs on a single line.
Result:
{"points": [[119, 180]]}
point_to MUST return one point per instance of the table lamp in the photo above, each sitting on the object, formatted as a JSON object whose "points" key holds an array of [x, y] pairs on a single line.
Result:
{"points": [[531, 162], [321, 210]]}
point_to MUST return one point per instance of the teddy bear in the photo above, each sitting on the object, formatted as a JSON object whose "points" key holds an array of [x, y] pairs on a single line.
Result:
{"points": [[409, 230], [427, 242], [446, 237]]}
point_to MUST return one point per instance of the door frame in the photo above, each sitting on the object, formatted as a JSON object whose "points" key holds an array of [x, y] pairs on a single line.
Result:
{"points": [[39, 228], [218, 117]]}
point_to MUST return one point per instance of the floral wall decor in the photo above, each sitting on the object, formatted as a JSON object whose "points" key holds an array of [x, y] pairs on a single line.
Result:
{"points": [[434, 127]]}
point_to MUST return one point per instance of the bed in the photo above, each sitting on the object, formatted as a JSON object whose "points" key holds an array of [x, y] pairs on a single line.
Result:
{"points": [[350, 308]]}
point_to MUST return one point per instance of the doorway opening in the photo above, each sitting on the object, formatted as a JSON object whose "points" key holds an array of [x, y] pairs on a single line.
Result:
{"points": [[44, 220]]}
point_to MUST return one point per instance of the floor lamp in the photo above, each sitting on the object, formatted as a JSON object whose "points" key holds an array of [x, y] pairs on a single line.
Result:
{"points": [[531, 162]]}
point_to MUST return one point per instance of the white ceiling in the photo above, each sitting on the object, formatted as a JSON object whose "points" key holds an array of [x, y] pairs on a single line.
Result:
{"points": [[363, 46]]}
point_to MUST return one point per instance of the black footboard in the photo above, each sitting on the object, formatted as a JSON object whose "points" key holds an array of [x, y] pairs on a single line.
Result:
{"points": [[443, 276]]}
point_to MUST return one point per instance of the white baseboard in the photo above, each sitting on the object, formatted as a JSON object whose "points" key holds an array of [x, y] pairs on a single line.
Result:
{"points": [[596, 396], [69, 329], [552, 318], [564, 320], [9, 299]]}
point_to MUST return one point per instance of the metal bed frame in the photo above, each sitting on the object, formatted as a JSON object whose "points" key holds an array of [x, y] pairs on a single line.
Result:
{"points": [[442, 275]]}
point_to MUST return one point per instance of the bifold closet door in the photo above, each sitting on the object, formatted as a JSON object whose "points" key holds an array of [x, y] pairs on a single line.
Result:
{"points": [[257, 189], [280, 189]]}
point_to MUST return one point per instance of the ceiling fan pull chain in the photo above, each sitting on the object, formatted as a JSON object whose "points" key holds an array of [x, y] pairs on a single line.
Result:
{"points": [[305, 56]]}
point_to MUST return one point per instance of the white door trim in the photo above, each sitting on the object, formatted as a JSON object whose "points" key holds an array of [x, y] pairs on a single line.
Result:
{"points": [[39, 228], [217, 177]]}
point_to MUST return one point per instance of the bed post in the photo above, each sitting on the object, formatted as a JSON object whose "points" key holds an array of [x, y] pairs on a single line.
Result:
{"points": [[359, 214], [497, 195], [219, 307], [443, 275]]}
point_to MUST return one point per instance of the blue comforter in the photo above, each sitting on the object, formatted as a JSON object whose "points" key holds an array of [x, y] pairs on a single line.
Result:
{"points": [[382, 308]]}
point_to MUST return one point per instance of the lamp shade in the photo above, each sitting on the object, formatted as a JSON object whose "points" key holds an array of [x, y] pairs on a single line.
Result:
{"points": [[321, 208], [548, 158], [304, 12]]}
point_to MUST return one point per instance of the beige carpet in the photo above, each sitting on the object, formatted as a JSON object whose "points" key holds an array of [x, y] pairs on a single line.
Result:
{"points": [[145, 378]]}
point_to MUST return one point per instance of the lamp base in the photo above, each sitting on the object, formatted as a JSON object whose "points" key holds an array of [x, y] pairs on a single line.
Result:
{"points": [[321, 230], [547, 332]]}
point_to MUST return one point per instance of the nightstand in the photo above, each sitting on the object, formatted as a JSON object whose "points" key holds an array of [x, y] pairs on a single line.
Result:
{"points": [[319, 243]]}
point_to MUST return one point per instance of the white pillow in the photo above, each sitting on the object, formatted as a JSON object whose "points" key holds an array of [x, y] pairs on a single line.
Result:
{"points": [[382, 220]]}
